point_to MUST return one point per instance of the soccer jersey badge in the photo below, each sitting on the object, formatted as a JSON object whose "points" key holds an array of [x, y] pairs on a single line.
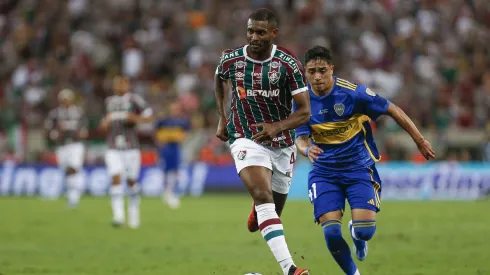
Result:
{"points": [[274, 77], [242, 154], [339, 109]]}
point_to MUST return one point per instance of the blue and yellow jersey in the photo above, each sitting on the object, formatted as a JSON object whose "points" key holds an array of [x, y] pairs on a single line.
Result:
{"points": [[340, 126], [171, 130]]}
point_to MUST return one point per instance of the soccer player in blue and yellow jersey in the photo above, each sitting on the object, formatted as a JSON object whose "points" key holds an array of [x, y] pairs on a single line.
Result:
{"points": [[170, 133], [338, 140]]}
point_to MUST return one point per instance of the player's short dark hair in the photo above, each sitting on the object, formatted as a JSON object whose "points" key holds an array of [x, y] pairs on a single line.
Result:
{"points": [[264, 14], [318, 52]]}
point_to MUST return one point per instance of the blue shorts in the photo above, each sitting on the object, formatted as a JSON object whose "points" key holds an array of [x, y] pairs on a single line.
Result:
{"points": [[170, 157], [362, 189]]}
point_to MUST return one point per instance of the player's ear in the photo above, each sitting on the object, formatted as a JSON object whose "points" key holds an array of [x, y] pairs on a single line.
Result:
{"points": [[275, 32], [332, 67]]}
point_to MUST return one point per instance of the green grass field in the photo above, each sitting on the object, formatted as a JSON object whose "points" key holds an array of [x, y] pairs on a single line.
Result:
{"points": [[208, 236]]}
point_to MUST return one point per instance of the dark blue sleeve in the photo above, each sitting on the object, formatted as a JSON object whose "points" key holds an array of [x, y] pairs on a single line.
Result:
{"points": [[303, 129], [159, 123], [187, 125], [370, 103]]}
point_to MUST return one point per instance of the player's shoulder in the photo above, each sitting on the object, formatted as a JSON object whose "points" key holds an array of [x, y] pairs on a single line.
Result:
{"points": [[231, 54], [281, 51], [349, 87]]}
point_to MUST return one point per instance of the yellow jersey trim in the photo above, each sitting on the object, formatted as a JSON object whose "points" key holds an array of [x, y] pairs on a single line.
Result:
{"points": [[367, 145]]}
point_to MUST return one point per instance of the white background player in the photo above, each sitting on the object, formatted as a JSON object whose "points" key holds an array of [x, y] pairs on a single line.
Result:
{"points": [[123, 158], [67, 127]]}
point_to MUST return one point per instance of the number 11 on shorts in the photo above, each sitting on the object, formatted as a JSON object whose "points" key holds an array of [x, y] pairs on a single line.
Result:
{"points": [[312, 192]]}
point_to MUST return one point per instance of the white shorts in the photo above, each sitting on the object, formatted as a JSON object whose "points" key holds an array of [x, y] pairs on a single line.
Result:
{"points": [[279, 160], [70, 155], [126, 163]]}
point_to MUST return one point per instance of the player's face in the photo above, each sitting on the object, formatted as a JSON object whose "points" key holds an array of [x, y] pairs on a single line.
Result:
{"points": [[319, 74], [65, 102], [120, 88], [260, 35]]}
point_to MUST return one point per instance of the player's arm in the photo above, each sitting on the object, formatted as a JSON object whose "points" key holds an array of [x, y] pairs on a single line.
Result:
{"points": [[299, 91], [374, 105], [407, 124], [49, 126], [83, 133], [220, 88], [144, 112], [303, 141]]}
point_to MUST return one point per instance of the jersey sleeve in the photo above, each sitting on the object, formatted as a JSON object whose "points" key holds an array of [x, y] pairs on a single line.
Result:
{"points": [[142, 106], [303, 129], [296, 77], [223, 69], [370, 103]]}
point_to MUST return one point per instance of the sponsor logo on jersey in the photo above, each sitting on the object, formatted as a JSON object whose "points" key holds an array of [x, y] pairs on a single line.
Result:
{"points": [[279, 138], [339, 109], [257, 75], [264, 93], [323, 111], [275, 64], [274, 77], [241, 92], [239, 76], [240, 64]]}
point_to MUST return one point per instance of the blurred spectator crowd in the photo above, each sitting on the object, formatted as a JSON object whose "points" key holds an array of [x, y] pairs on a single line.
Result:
{"points": [[429, 57]]}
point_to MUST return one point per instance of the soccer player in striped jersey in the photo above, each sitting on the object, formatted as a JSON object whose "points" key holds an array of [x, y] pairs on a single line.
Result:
{"points": [[265, 79], [66, 126], [123, 158], [339, 142]]}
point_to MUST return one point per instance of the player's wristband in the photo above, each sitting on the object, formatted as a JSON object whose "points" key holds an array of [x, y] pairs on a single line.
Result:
{"points": [[307, 150]]}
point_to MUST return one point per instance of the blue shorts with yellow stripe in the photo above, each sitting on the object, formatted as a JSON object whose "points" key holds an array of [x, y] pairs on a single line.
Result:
{"points": [[328, 191]]}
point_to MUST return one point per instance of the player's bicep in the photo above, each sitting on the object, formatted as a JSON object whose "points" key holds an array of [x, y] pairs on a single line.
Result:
{"points": [[371, 104], [305, 128], [301, 103]]}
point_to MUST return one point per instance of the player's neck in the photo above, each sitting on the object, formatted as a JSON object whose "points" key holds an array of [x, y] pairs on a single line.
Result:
{"points": [[261, 56]]}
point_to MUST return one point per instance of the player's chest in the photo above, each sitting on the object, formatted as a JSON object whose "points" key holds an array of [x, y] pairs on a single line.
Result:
{"points": [[258, 75], [120, 104], [331, 110], [68, 118]]}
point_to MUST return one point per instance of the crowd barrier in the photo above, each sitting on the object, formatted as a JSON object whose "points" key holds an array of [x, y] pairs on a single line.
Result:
{"points": [[400, 181]]}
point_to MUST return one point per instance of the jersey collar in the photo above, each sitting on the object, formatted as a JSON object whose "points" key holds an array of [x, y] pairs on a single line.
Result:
{"points": [[273, 52]]}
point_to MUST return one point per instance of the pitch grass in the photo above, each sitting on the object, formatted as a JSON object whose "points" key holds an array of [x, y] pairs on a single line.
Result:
{"points": [[208, 236]]}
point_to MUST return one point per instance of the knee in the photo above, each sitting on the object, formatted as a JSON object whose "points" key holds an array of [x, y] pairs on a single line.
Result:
{"points": [[332, 230], [261, 196], [364, 232]]}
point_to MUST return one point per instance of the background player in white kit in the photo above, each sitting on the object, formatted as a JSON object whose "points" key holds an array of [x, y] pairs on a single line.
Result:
{"points": [[123, 158], [66, 126]]}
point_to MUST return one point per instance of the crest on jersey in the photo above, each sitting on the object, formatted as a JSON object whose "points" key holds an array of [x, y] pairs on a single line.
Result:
{"points": [[274, 77], [275, 64], [240, 64], [369, 92], [241, 155], [339, 108]]}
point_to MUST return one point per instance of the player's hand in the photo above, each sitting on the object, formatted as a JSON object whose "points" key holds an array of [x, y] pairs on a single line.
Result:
{"points": [[221, 132], [104, 124], [83, 134], [269, 132], [426, 149], [314, 152], [132, 117]]}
